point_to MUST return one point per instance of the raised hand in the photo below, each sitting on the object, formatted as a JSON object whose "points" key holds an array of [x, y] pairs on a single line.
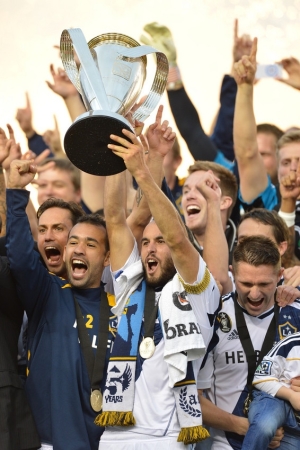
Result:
{"points": [[290, 185], [286, 295], [9, 149], [241, 45], [52, 139], [292, 68], [61, 84], [24, 117], [132, 152], [160, 38], [209, 187], [21, 173], [244, 70], [160, 136]]}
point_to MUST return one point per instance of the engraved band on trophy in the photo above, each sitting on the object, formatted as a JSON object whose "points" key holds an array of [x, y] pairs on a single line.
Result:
{"points": [[110, 79]]}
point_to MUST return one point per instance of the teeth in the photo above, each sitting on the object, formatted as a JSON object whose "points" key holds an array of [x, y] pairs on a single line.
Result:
{"points": [[50, 248], [192, 207], [78, 261]]}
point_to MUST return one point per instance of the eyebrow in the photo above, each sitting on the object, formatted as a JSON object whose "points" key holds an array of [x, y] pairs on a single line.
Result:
{"points": [[52, 225], [157, 237], [86, 238]]}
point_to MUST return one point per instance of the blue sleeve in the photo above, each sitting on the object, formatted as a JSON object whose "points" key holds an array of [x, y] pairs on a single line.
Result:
{"points": [[223, 132], [32, 279], [37, 144], [268, 199], [220, 159], [188, 123]]}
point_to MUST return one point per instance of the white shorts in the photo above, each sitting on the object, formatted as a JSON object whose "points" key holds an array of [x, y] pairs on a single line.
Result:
{"points": [[46, 447], [135, 441]]}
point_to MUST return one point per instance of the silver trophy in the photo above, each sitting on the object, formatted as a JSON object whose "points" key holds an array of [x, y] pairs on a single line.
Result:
{"points": [[110, 78]]}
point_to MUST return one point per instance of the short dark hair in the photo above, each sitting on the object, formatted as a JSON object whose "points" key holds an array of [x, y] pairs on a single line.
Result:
{"points": [[228, 182], [256, 251], [75, 210], [66, 165], [269, 128], [96, 220], [266, 217]]}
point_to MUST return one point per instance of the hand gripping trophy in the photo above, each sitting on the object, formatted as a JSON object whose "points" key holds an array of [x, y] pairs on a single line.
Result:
{"points": [[110, 78]]}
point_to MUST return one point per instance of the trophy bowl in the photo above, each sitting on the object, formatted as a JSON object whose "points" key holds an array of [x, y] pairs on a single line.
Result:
{"points": [[110, 79]]}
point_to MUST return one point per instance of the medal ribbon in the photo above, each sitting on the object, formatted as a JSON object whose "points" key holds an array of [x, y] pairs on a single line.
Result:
{"points": [[150, 312], [247, 343], [94, 363]]}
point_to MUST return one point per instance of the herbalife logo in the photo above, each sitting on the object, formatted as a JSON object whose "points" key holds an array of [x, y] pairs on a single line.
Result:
{"points": [[233, 335]]}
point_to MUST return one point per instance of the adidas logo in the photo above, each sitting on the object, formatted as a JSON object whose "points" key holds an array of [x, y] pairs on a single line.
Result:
{"points": [[233, 335]]}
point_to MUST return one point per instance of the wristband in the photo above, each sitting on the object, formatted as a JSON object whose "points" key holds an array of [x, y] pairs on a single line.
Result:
{"points": [[289, 218], [174, 79]]}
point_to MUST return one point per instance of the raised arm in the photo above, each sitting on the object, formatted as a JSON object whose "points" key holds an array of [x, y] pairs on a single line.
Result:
{"points": [[183, 110], [215, 247], [253, 175], [222, 134], [36, 142], [185, 256]]}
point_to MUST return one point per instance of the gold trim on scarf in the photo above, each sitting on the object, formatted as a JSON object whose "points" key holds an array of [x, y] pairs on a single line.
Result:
{"points": [[199, 287]]}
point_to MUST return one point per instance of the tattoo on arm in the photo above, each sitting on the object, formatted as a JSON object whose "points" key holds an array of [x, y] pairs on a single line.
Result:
{"points": [[139, 196]]}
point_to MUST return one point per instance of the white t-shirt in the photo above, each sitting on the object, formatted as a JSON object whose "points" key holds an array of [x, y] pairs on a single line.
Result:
{"points": [[224, 375], [154, 403]]}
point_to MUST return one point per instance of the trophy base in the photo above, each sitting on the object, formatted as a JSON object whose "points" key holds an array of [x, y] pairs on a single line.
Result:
{"points": [[86, 142]]}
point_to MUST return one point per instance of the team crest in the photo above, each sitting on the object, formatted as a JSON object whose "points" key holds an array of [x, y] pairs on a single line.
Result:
{"points": [[264, 368], [187, 403], [118, 382], [181, 302], [225, 322], [286, 329]]}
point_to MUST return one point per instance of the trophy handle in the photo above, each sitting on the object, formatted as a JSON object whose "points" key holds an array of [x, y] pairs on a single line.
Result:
{"points": [[74, 37], [159, 82]]}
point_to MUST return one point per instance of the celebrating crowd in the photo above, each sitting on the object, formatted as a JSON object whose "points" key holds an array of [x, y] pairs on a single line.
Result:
{"points": [[140, 311]]}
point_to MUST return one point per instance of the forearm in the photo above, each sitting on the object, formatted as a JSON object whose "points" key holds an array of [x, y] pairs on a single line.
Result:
{"points": [[75, 106], [222, 135], [222, 420], [189, 126], [2, 203], [92, 190], [162, 210], [215, 248], [31, 276], [244, 127], [141, 214], [119, 234]]}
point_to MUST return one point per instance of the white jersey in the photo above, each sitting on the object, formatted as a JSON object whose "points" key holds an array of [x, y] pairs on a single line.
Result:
{"points": [[154, 403], [224, 375], [279, 366]]}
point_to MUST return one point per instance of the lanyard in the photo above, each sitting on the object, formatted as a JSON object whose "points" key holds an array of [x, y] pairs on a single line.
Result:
{"points": [[94, 363], [246, 340], [147, 346]]}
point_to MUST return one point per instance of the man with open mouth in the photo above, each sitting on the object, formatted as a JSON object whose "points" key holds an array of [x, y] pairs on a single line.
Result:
{"points": [[250, 322], [167, 300], [63, 389]]}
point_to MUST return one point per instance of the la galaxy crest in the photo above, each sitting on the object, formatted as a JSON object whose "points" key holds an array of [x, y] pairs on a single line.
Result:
{"points": [[224, 321], [181, 302]]}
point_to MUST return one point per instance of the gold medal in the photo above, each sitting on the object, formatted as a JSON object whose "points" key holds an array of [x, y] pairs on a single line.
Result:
{"points": [[96, 400], [147, 348]]}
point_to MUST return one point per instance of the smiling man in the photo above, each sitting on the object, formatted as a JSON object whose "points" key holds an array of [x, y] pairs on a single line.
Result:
{"points": [[248, 315], [207, 215], [62, 389]]}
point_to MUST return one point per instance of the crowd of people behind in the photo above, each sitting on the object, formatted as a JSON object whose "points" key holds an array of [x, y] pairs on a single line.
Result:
{"points": [[142, 311]]}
